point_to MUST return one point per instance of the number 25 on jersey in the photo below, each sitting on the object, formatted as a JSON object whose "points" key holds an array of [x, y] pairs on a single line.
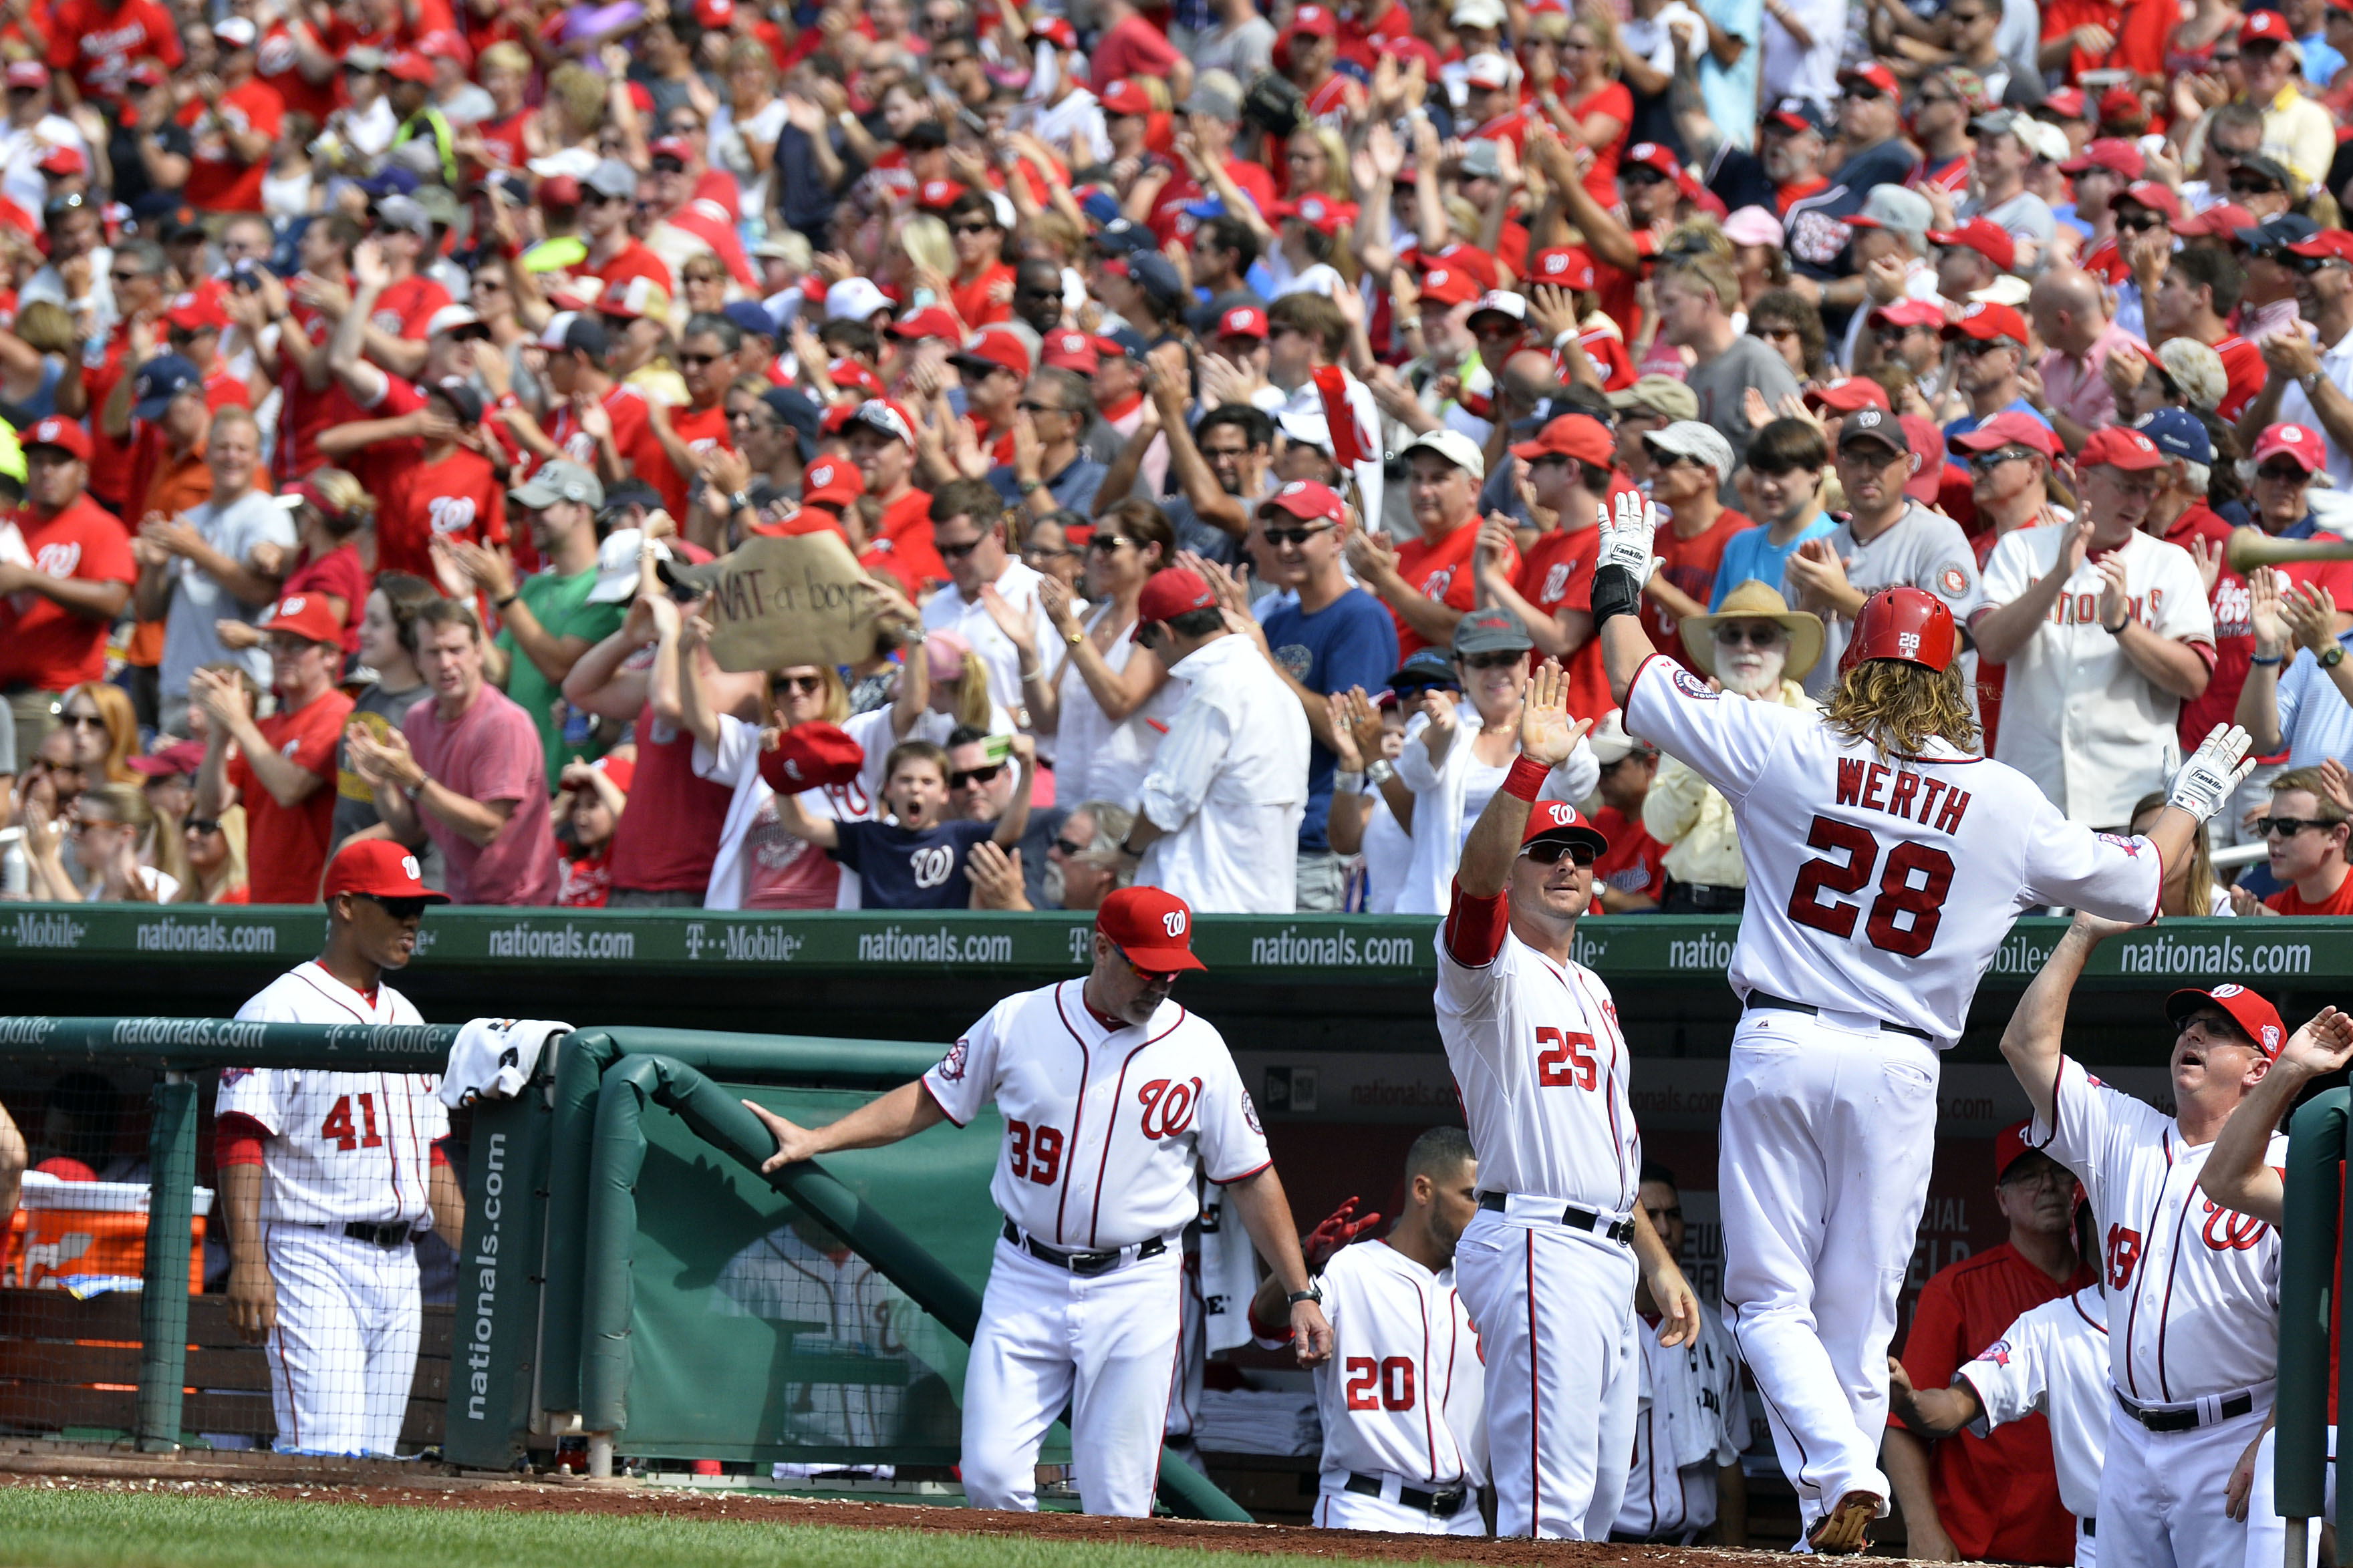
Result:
{"points": [[1566, 1061]]}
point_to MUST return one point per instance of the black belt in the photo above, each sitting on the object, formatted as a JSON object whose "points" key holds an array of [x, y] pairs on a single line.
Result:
{"points": [[1080, 1262], [1621, 1231], [2190, 1420], [2091, 1526], [1782, 1004], [389, 1235], [1710, 900], [1441, 1505]]}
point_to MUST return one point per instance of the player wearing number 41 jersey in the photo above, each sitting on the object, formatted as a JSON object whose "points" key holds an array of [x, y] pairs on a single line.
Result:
{"points": [[1548, 1265], [328, 1178], [1886, 861], [1113, 1099], [2193, 1282]]}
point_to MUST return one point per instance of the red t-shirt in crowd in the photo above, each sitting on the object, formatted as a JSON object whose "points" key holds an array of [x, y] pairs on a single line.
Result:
{"points": [[973, 305], [338, 573], [1616, 101], [905, 535], [404, 307], [703, 430], [633, 435], [2242, 371], [2288, 901], [1691, 567], [1636, 864], [1998, 1497], [308, 411], [634, 259], [1133, 48], [97, 43], [587, 880], [43, 645], [287, 846], [668, 838], [458, 498], [490, 752], [1556, 575], [109, 456], [2235, 632], [277, 65], [218, 182], [1441, 570], [2140, 28]]}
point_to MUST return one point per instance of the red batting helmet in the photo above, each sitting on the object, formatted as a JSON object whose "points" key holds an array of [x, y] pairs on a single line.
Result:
{"points": [[1908, 623]]}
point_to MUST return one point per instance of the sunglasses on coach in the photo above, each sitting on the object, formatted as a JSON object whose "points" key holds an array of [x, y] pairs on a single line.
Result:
{"points": [[1548, 851]]}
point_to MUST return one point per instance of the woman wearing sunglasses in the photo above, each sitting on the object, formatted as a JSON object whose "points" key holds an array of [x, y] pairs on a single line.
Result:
{"points": [[1755, 646], [215, 852], [107, 825], [1456, 753], [1106, 701]]}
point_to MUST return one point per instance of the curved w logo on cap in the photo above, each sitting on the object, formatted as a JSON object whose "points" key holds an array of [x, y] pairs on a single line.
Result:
{"points": [[1174, 922]]}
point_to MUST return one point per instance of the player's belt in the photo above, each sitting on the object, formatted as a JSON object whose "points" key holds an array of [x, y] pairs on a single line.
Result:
{"points": [[1084, 1262], [395, 1234], [1621, 1231], [2190, 1417], [1782, 1004], [1440, 1505]]}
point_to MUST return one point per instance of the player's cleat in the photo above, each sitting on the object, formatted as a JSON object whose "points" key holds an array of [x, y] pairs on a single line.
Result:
{"points": [[1840, 1533]]}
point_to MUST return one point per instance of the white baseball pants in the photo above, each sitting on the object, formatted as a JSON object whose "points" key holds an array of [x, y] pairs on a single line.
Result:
{"points": [[2266, 1531], [1555, 1312], [1339, 1508], [1829, 1132], [345, 1351], [2162, 1494], [1104, 1345]]}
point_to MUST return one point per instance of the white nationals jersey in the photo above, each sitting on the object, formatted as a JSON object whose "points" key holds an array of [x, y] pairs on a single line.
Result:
{"points": [[1404, 1393], [1540, 1064], [1693, 1422], [2193, 1287], [837, 1309], [342, 1146], [1879, 886], [1103, 1128], [2053, 1359]]}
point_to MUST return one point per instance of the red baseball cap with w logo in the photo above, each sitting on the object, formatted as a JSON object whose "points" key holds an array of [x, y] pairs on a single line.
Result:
{"points": [[1151, 926], [1558, 819], [2256, 1018], [380, 868]]}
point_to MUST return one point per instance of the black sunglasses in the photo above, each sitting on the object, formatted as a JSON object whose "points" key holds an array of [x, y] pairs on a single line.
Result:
{"points": [[1986, 462], [686, 359], [967, 776], [1548, 851], [958, 552], [2140, 222], [2282, 474], [1067, 847], [406, 909], [204, 825], [2288, 826], [2249, 184], [1281, 536], [1498, 660], [1109, 544]]}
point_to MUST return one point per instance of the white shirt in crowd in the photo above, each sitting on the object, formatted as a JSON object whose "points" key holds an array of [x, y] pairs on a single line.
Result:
{"points": [[949, 610], [1228, 786], [1095, 759], [2295, 408], [2077, 717]]}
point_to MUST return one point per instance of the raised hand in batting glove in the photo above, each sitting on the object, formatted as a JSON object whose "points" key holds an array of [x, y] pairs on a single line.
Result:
{"points": [[2213, 771], [1340, 1227], [1626, 537]]}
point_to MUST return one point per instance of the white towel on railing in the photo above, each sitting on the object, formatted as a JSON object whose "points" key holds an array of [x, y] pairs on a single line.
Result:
{"points": [[491, 1057]]}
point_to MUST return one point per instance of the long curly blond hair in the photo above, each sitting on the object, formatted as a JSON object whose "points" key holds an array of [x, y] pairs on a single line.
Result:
{"points": [[1897, 706]]}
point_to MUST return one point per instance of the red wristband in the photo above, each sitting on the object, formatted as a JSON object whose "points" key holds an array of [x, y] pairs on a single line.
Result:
{"points": [[1526, 779]]}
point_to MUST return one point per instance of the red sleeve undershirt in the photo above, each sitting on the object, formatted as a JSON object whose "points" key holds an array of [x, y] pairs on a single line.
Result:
{"points": [[237, 1139], [1475, 927]]}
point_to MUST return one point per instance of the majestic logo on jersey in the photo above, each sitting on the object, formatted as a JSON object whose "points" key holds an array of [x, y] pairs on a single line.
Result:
{"points": [[1691, 685], [1168, 1102], [2131, 846], [951, 1066]]}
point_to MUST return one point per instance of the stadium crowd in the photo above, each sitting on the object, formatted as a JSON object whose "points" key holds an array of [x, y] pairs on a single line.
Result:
{"points": [[1221, 403]]}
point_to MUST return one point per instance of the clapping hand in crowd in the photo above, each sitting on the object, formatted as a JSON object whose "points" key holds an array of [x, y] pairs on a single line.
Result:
{"points": [[995, 877]]}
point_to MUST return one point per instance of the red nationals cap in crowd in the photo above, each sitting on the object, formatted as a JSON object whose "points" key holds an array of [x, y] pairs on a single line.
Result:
{"points": [[2009, 428], [1306, 500], [1984, 321], [2299, 442], [66, 435], [1848, 394], [379, 868], [1565, 266], [831, 481], [1151, 926], [307, 616], [1449, 286], [1071, 350], [811, 756], [2116, 447], [1243, 321], [1577, 435], [1987, 238], [1170, 592]]}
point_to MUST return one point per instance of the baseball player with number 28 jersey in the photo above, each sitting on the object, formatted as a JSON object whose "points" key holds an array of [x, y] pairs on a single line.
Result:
{"points": [[351, 1176], [1886, 861], [1113, 1097]]}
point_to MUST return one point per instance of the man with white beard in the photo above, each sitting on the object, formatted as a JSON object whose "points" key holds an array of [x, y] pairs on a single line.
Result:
{"points": [[1755, 646]]}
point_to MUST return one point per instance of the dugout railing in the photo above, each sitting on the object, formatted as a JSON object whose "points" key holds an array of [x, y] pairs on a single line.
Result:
{"points": [[2315, 1273], [561, 1295]]}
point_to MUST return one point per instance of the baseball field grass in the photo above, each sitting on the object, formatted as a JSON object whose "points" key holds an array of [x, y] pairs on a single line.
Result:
{"points": [[83, 1529]]}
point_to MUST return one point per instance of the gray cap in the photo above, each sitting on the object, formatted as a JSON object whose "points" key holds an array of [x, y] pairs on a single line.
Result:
{"points": [[1490, 631], [1480, 162], [1690, 439], [440, 204], [402, 212], [611, 177], [1216, 94], [558, 479], [1660, 395], [1899, 211]]}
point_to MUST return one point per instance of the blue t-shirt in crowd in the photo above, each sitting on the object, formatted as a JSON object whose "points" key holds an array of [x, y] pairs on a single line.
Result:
{"points": [[1968, 421], [1352, 641], [1751, 556], [907, 868]]}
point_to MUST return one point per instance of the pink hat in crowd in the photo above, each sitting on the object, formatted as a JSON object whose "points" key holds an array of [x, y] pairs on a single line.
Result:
{"points": [[943, 652]]}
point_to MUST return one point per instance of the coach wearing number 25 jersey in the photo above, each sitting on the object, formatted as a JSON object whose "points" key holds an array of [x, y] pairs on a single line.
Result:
{"points": [[328, 1178], [1114, 1098]]}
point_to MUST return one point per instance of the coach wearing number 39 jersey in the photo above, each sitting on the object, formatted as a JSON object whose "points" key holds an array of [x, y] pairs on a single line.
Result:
{"points": [[1114, 1098], [329, 1178]]}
